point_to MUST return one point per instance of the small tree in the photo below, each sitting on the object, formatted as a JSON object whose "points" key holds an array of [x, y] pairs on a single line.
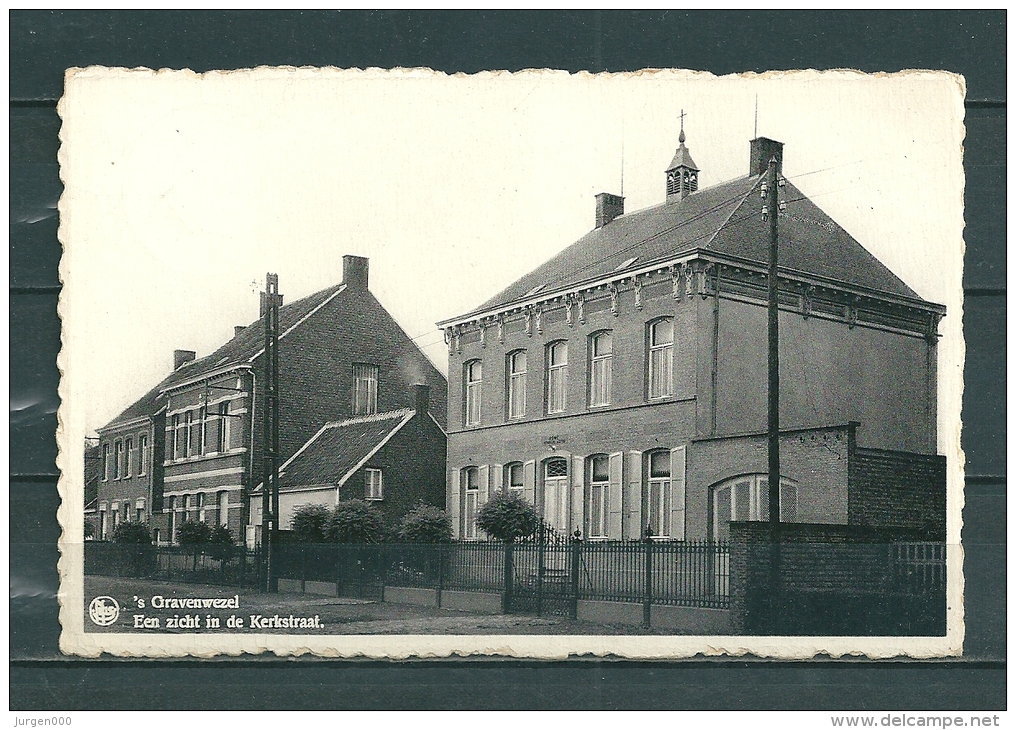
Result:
{"points": [[425, 523], [507, 517], [195, 536], [132, 533], [355, 521], [220, 544], [310, 522], [89, 530]]}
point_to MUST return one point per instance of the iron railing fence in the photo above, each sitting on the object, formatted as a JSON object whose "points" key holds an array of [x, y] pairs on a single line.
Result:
{"points": [[171, 563], [919, 567]]}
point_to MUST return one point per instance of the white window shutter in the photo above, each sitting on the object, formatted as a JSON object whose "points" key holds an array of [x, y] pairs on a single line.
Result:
{"points": [[578, 478], [454, 488], [529, 482], [633, 496], [614, 501], [497, 478], [678, 460], [484, 485]]}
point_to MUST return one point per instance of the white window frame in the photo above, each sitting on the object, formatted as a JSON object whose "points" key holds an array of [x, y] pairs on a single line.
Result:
{"points": [[509, 484], [601, 369], [517, 381], [556, 494], [660, 495], [128, 456], [473, 377], [557, 377], [599, 496], [105, 462], [365, 380], [117, 459], [374, 487], [222, 445], [142, 454], [203, 434], [188, 424], [661, 355], [223, 508], [470, 502]]}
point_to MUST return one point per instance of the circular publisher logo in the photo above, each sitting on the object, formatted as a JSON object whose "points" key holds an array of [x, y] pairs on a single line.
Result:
{"points": [[103, 610]]}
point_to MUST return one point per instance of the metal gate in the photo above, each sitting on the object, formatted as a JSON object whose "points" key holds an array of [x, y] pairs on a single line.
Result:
{"points": [[542, 576]]}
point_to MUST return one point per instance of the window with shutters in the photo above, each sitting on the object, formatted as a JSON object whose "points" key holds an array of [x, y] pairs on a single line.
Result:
{"points": [[599, 497], [143, 454], [746, 499], [601, 366], [374, 490], [128, 456], [471, 495], [105, 462], [514, 477], [517, 384], [660, 492], [473, 384], [661, 358], [117, 459], [557, 376], [364, 389]]}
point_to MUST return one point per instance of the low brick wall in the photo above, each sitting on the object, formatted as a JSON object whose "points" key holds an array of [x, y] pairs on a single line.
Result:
{"points": [[825, 579], [475, 602], [679, 619], [411, 596]]}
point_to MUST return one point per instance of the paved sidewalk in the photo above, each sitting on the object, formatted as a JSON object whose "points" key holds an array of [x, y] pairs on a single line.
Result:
{"points": [[334, 615]]}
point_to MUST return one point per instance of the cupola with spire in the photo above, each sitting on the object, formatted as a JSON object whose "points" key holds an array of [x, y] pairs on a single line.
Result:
{"points": [[682, 175]]}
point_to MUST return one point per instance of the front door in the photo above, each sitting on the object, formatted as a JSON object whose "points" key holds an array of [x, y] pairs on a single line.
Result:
{"points": [[555, 494]]}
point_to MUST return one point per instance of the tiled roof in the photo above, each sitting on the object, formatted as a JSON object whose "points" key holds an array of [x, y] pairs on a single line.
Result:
{"points": [[144, 407], [339, 448], [250, 341], [723, 219]]}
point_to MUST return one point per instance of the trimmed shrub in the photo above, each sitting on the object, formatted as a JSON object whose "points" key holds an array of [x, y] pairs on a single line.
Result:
{"points": [[220, 544], [507, 517], [355, 521], [425, 523], [194, 534], [310, 522], [132, 533]]}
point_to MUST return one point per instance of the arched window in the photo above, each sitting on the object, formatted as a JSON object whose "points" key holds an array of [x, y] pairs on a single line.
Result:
{"points": [[599, 501], [555, 493], [746, 499], [557, 376], [661, 358], [470, 497], [514, 477], [660, 491], [517, 384], [474, 385], [601, 368]]}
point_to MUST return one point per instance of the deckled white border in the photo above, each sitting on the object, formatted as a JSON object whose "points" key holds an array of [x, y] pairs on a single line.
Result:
{"points": [[75, 640]]}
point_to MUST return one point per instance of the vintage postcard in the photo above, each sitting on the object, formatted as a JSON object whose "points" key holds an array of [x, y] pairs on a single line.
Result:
{"points": [[368, 363]]}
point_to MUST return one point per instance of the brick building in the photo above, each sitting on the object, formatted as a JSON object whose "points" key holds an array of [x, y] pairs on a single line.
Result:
{"points": [[623, 383], [341, 355]]}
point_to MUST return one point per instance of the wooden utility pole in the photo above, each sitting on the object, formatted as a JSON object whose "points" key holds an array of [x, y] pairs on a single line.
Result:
{"points": [[270, 435], [771, 210]]}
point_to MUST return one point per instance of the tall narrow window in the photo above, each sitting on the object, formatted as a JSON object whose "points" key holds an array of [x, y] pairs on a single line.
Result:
{"points": [[517, 384], [471, 494], [474, 385], [555, 493], [514, 478], [557, 376], [128, 456], [105, 462], [364, 389], [202, 511], [659, 493], [224, 509], [117, 459], [375, 485], [661, 358], [142, 454], [202, 429], [601, 356], [223, 443], [177, 451], [188, 425], [599, 484], [194, 447]]}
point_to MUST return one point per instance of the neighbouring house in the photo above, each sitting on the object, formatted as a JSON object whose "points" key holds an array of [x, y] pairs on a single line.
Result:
{"points": [[623, 383], [341, 356], [392, 459]]}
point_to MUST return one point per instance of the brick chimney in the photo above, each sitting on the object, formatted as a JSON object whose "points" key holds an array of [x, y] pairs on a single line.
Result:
{"points": [[182, 357], [354, 272], [237, 329], [608, 207], [764, 149], [421, 395]]}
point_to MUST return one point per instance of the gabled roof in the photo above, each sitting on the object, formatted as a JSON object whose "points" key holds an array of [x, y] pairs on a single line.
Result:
{"points": [[723, 219], [250, 341], [340, 448], [144, 407]]}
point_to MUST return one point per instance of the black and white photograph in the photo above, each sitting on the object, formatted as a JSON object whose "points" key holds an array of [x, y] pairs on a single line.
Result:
{"points": [[394, 363]]}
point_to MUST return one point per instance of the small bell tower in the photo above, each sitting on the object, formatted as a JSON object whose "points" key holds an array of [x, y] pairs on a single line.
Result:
{"points": [[682, 175]]}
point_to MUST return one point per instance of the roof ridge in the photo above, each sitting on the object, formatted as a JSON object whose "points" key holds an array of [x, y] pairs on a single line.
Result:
{"points": [[372, 418]]}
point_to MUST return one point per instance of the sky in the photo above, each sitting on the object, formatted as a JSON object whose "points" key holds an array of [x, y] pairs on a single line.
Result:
{"points": [[183, 190]]}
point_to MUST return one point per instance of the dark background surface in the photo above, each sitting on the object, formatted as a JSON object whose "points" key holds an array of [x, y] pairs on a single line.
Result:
{"points": [[43, 44]]}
